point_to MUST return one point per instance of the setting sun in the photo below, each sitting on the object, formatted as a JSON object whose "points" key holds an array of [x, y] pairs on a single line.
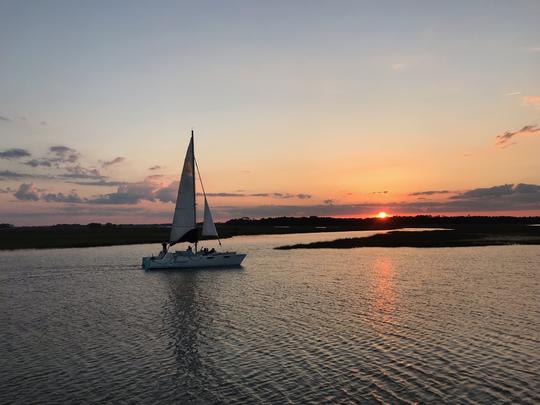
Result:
{"points": [[382, 215]]}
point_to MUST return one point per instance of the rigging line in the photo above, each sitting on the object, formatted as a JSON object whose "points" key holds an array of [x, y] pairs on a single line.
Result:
{"points": [[204, 193]]}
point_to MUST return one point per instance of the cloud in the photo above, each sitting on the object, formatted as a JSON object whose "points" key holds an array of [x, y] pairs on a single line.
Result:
{"points": [[169, 193], [514, 93], [503, 140], [379, 192], [63, 154], [14, 153], [328, 202], [131, 193], [115, 161], [60, 197], [488, 192], [156, 167], [430, 192], [533, 101], [5, 119], [27, 192]]}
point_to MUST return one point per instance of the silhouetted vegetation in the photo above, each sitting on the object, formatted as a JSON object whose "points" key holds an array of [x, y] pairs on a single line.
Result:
{"points": [[96, 234]]}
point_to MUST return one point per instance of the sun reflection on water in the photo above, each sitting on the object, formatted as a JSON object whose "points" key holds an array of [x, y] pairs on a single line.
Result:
{"points": [[384, 297]]}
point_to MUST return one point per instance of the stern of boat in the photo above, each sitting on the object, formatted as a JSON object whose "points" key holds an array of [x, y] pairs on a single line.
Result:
{"points": [[146, 262]]}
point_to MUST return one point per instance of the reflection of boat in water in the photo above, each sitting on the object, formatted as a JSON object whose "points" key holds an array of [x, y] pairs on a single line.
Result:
{"points": [[184, 228]]}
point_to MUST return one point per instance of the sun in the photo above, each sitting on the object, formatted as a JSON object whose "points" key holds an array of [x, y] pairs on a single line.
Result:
{"points": [[382, 215]]}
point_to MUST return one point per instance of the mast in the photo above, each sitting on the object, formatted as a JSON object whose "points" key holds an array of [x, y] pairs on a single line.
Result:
{"points": [[194, 194]]}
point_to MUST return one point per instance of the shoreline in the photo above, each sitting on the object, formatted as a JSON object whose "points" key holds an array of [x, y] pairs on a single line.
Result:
{"points": [[484, 231], [488, 236]]}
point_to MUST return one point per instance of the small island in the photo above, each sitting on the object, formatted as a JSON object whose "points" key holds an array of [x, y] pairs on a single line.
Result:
{"points": [[460, 236]]}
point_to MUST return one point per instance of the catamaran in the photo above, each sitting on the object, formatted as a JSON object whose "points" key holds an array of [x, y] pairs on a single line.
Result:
{"points": [[184, 228]]}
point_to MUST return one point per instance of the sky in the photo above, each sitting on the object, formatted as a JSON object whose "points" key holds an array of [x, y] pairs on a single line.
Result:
{"points": [[336, 108]]}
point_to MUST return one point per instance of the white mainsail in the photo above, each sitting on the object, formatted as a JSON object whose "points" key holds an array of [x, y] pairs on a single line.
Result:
{"points": [[209, 228], [184, 226]]}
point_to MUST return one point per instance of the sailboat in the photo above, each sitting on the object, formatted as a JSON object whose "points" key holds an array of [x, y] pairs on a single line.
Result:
{"points": [[184, 228]]}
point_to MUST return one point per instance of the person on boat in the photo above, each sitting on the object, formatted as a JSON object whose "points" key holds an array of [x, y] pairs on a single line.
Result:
{"points": [[212, 251], [163, 250], [189, 250]]}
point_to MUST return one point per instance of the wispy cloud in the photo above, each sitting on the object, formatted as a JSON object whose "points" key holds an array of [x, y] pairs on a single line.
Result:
{"points": [[300, 196], [4, 118], [114, 161], [80, 172], [503, 140], [156, 167], [102, 182], [430, 192], [9, 175], [508, 197], [63, 154], [38, 162], [15, 153]]}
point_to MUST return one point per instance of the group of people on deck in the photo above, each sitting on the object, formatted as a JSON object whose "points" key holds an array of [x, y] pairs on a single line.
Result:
{"points": [[204, 251], [189, 250]]}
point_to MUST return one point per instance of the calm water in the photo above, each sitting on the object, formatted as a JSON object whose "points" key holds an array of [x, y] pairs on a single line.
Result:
{"points": [[459, 325]]}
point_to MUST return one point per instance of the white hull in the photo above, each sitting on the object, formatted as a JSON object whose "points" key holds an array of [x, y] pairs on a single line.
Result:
{"points": [[182, 260]]}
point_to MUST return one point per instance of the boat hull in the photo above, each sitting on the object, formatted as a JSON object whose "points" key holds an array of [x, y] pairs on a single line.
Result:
{"points": [[183, 261]]}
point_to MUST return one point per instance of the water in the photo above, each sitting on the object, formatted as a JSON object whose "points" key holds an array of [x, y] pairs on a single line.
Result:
{"points": [[458, 325]]}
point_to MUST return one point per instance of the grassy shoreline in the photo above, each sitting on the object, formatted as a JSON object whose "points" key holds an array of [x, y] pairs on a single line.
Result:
{"points": [[464, 236]]}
